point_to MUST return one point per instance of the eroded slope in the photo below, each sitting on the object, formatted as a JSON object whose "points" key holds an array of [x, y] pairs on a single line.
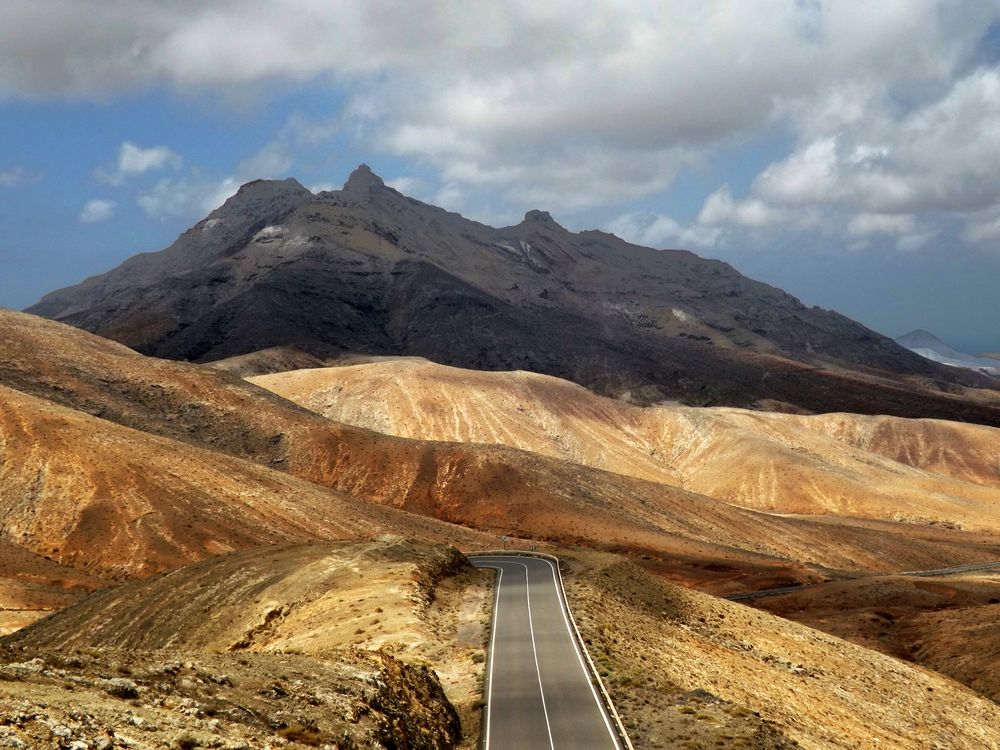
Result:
{"points": [[923, 471]]}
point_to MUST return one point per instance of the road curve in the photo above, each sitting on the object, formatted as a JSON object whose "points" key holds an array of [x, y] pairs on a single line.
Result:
{"points": [[538, 690]]}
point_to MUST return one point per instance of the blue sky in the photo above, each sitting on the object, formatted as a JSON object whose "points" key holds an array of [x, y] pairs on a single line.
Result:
{"points": [[846, 152]]}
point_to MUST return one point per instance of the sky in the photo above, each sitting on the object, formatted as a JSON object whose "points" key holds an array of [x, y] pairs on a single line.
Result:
{"points": [[845, 151]]}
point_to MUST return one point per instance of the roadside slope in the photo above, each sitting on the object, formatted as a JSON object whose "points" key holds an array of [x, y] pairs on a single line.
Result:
{"points": [[686, 667]]}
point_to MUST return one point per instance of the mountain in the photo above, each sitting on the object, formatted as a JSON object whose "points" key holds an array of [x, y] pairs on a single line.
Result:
{"points": [[930, 347], [367, 270]]}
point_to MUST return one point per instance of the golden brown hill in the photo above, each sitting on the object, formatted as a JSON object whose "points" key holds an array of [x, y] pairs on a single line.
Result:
{"points": [[495, 489], [835, 464], [91, 494], [32, 586], [689, 670]]}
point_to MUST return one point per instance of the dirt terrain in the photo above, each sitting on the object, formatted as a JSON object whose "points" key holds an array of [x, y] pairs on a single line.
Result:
{"points": [[90, 494], [950, 624], [117, 466], [319, 644], [688, 670]]}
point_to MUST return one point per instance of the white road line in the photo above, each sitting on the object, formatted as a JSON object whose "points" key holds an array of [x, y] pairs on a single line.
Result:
{"points": [[579, 656], [493, 643], [534, 651]]}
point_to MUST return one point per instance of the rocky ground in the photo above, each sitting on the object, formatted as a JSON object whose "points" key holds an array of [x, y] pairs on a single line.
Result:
{"points": [[346, 645], [691, 671], [99, 699]]}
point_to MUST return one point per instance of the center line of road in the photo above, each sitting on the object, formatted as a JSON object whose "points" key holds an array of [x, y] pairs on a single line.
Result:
{"points": [[534, 651]]}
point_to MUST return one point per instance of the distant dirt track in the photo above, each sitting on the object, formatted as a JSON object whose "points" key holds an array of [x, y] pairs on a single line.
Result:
{"points": [[748, 595]]}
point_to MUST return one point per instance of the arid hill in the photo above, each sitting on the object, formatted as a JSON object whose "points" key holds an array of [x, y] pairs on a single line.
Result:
{"points": [[90, 494], [922, 471], [290, 645], [950, 624], [367, 270], [493, 489]]}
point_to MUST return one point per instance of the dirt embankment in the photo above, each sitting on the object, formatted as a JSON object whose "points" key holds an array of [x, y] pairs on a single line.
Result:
{"points": [[409, 606], [690, 670]]}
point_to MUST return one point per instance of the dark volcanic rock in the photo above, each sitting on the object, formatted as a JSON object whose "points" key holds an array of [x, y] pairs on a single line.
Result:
{"points": [[368, 270]]}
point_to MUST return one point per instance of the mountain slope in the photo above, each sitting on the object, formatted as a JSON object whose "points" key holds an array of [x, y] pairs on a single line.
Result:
{"points": [[91, 494], [930, 347], [836, 464], [368, 270]]}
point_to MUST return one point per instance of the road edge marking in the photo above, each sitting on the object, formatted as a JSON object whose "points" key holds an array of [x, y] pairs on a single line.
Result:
{"points": [[581, 650], [489, 672]]}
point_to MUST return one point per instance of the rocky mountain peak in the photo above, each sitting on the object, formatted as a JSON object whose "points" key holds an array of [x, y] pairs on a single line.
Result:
{"points": [[536, 216], [264, 197], [363, 179]]}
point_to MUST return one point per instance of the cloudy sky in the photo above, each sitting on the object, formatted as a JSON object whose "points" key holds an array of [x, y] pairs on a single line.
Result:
{"points": [[847, 151]]}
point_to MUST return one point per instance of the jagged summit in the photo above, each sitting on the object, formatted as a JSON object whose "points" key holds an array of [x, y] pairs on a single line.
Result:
{"points": [[261, 198], [537, 216], [256, 190], [363, 179]]}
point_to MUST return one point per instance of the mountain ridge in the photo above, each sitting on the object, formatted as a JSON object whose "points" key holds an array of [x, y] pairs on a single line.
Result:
{"points": [[367, 270]]}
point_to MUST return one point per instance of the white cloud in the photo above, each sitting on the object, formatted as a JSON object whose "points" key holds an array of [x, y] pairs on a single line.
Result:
{"points": [[913, 242], [412, 186], [866, 224], [551, 102], [17, 175], [983, 230], [276, 158], [97, 210], [720, 209], [553, 105], [660, 231], [134, 160], [188, 198], [935, 161], [809, 175]]}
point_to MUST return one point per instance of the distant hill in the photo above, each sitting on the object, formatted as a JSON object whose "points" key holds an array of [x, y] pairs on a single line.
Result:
{"points": [[924, 471], [929, 346], [368, 271]]}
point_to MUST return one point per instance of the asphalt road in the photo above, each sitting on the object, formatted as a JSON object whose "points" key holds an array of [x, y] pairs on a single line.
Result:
{"points": [[538, 690], [748, 595]]}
